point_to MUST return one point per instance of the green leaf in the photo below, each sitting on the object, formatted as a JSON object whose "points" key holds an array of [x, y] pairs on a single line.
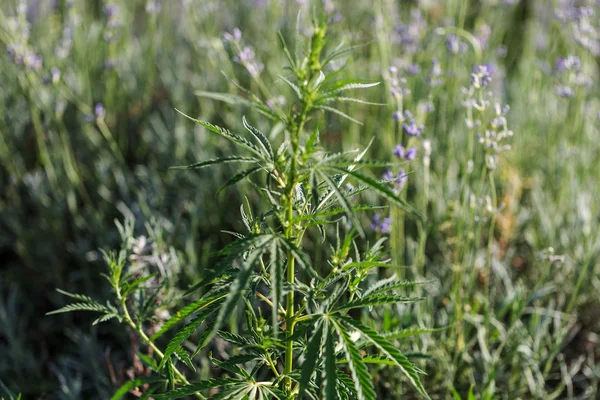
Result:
{"points": [[330, 370], [217, 161], [338, 112], [344, 202], [286, 51], [238, 286], [311, 355], [194, 307], [261, 138], [384, 190], [238, 177], [186, 332], [391, 284], [277, 281], [129, 385], [183, 356], [389, 350], [193, 388], [402, 333], [363, 382], [225, 133], [293, 86], [131, 286], [376, 300]]}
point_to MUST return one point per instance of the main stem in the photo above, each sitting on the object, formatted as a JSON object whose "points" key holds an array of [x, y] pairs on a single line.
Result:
{"points": [[289, 233]]}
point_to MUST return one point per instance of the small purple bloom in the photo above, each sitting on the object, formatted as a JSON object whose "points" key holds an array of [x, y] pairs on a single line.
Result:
{"points": [[386, 225], [99, 111], [55, 74], [411, 154], [400, 178], [110, 10], [387, 175], [396, 116], [413, 69], [481, 76], [399, 151], [412, 129], [375, 222]]}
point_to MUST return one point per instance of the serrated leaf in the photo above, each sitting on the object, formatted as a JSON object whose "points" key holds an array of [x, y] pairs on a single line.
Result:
{"points": [[188, 390], [338, 112], [277, 281], [295, 88], [235, 338], [225, 133], [261, 138], [376, 300], [384, 191], [183, 356], [344, 202], [129, 385], [310, 358], [389, 350], [238, 177], [330, 370], [391, 284], [96, 307], [180, 315], [360, 374], [186, 332], [402, 333], [237, 287], [216, 161]]}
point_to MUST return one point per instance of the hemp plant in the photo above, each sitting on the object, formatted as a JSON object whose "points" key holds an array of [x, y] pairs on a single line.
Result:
{"points": [[314, 344]]}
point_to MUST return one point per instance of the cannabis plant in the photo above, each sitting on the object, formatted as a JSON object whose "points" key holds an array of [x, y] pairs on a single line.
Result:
{"points": [[306, 333]]}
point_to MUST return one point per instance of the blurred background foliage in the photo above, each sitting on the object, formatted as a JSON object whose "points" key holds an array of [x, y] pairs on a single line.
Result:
{"points": [[88, 132]]}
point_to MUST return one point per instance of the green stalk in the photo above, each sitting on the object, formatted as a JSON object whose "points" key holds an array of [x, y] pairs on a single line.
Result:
{"points": [[289, 233], [138, 329]]}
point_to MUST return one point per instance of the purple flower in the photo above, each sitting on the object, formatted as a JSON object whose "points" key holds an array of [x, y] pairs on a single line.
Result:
{"points": [[400, 178], [236, 36], [412, 129], [110, 11], [387, 175], [454, 45], [481, 76], [375, 222], [55, 74], [386, 225], [396, 116], [568, 63], [411, 154], [99, 111], [399, 151], [413, 69]]}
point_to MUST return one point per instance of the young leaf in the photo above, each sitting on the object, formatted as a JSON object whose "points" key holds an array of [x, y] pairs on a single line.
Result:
{"points": [[311, 355], [376, 300], [217, 161], [277, 281], [360, 374], [330, 370], [390, 351], [186, 332], [383, 190], [193, 388], [261, 138], [196, 306]]}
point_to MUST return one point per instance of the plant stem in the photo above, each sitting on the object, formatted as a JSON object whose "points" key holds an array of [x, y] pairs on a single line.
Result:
{"points": [[289, 233], [138, 329]]}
